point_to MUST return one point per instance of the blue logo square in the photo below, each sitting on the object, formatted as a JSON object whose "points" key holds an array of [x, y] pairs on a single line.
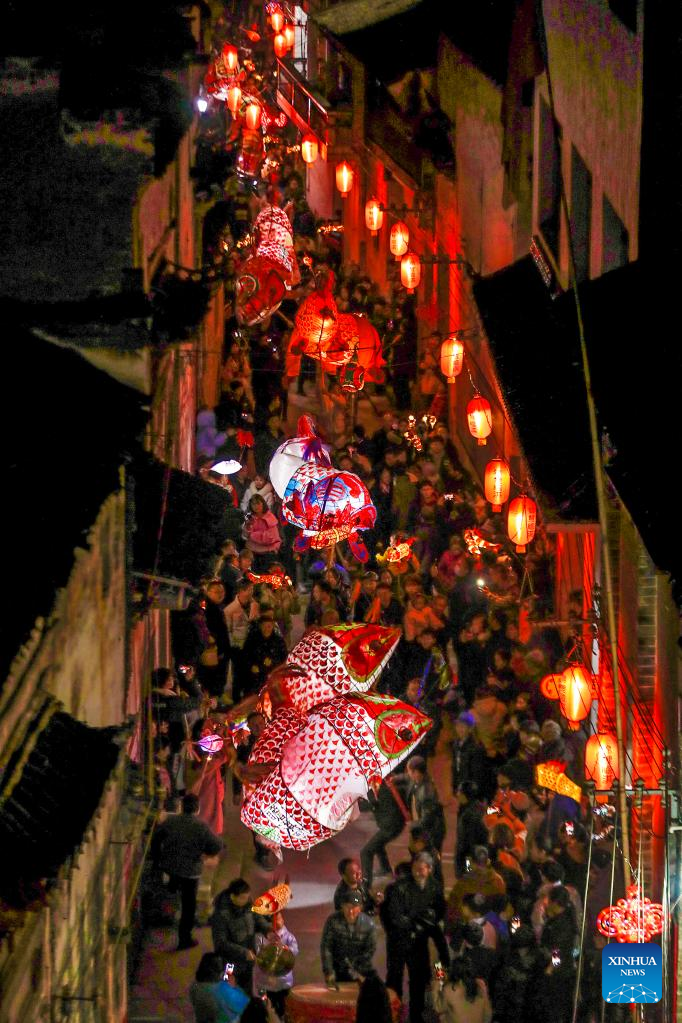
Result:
{"points": [[632, 973]]}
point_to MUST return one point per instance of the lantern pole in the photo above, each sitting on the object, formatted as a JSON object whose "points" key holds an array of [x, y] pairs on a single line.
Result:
{"points": [[599, 477]]}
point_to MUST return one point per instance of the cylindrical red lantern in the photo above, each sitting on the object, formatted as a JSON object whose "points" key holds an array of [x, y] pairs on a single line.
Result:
{"points": [[309, 148], [277, 20], [399, 239], [230, 56], [410, 271], [575, 695], [344, 178], [601, 760], [351, 376], [480, 418], [496, 483], [289, 34], [234, 98], [521, 522], [253, 116], [451, 358], [374, 215], [280, 44]]}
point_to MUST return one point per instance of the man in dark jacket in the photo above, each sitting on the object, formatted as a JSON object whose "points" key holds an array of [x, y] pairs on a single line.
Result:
{"points": [[469, 760], [263, 650], [423, 801], [234, 926], [352, 881], [411, 914], [349, 942], [391, 813], [178, 847], [471, 830], [213, 676]]}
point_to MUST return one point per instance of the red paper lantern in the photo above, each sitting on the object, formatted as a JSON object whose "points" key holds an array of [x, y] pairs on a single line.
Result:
{"points": [[253, 116], [351, 377], [289, 35], [601, 760], [309, 148], [374, 215], [234, 98], [575, 695], [399, 239], [344, 178], [480, 418], [230, 56], [451, 358], [280, 44], [410, 271], [496, 483], [521, 522], [277, 20]]}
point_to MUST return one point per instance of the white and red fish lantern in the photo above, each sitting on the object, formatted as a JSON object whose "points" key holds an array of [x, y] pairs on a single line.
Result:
{"points": [[264, 278], [341, 749], [306, 446], [328, 506]]}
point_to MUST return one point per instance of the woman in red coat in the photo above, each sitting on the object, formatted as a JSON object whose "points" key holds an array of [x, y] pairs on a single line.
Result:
{"points": [[261, 532]]}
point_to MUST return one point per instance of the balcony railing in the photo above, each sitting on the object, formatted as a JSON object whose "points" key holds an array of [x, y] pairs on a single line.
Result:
{"points": [[298, 103]]}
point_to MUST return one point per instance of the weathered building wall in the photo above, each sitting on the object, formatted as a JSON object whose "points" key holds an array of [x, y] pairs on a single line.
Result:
{"points": [[596, 67]]}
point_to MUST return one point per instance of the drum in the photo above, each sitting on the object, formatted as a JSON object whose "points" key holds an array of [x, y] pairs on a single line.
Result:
{"points": [[310, 1003]]}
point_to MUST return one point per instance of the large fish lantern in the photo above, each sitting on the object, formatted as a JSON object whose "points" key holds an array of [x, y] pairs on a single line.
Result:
{"points": [[264, 278], [328, 506], [321, 332], [328, 661], [307, 446], [325, 755]]}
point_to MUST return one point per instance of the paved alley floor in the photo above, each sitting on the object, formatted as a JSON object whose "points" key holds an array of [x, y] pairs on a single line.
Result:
{"points": [[160, 991]]}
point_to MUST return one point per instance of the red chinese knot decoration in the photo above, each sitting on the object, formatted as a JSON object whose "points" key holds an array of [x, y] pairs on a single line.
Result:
{"points": [[632, 919]]}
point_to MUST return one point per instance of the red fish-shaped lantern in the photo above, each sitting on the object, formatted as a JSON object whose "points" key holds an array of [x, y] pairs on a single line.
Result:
{"points": [[273, 900], [263, 279], [398, 556]]}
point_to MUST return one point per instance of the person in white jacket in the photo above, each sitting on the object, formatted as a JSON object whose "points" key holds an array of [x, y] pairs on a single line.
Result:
{"points": [[262, 487]]}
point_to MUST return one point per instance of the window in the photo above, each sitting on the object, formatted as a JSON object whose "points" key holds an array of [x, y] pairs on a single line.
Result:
{"points": [[581, 214], [615, 239], [549, 191]]}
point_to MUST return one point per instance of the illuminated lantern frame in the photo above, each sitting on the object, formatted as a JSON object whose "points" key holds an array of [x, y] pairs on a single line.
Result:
{"points": [[521, 519], [576, 694], [253, 116], [289, 33], [374, 216], [601, 760], [410, 271], [309, 148], [280, 44], [344, 178], [277, 20], [497, 481], [399, 239], [230, 56], [451, 358], [234, 98], [480, 418]]}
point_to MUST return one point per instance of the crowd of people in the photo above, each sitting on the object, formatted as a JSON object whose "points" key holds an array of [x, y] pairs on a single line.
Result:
{"points": [[508, 933], [471, 654]]}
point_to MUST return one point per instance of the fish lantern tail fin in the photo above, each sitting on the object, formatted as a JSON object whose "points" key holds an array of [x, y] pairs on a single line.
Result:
{"points": [[359, 551]]}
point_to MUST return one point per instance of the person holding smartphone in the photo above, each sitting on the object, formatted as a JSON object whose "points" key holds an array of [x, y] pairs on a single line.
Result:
{"points": [[462, 998], [214, 994]]}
